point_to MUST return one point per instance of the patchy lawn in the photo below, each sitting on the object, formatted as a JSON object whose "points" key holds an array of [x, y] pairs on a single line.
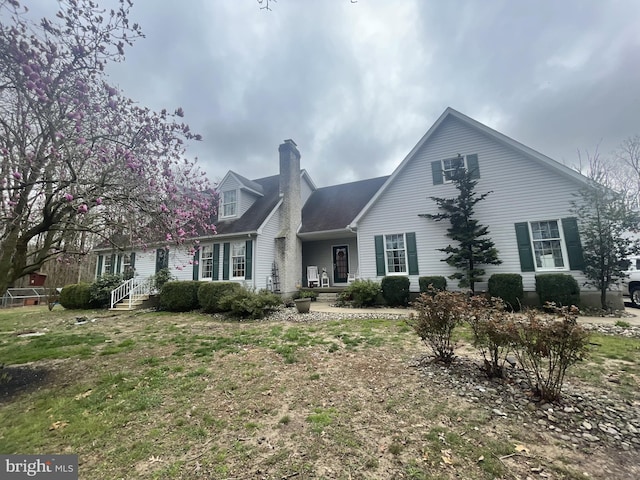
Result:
{"points": [[166, 396]]}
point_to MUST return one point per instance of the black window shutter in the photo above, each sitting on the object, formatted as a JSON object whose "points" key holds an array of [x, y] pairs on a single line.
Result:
{"points": [[113, 263], [572, 241], [133, 260], [99, 269], [196, 265], [216, 261], [248, 259], [226, 247], [436, 172], [380, 267], [473, 167], [118, 263], [524, 247], [412, 253]]}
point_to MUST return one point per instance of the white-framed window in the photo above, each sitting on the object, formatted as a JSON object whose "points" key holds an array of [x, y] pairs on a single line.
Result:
{"points": [[450, 166], [395, 253], [107, 267], [127, 269], [238, 259], [229, 203], [206, 261], [548, 245]]}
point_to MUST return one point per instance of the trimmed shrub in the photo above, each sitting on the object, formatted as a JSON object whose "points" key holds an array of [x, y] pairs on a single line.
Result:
{"points": [[76, 296], [210, 293], [361, 293], [508, 287], [493, 332], [546, 345], [438, 313], [438, 282], [161, 277], [395, 290], [101, 290], [558, 288], [179, 296], [247, 304]]}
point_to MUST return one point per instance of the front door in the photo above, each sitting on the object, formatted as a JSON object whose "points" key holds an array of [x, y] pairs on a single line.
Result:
{"points": [[340, 264], [162, 259]]}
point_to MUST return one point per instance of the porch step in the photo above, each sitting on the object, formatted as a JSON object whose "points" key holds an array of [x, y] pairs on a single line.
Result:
{"points": [[136, 303], [327, 297]]}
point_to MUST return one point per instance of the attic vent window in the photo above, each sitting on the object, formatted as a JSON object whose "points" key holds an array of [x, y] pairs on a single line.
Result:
{"points": [[229, 203]]}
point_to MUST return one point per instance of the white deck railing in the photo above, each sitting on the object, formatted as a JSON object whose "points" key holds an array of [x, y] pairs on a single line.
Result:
{"points": [[131, 288]]}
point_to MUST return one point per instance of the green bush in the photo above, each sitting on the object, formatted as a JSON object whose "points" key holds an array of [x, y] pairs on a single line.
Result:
{"points": [[161, 277], [395, 290], [247, 304], [179, 296], [508, 287], [307, 294], [361, 293], [558, 288], [210, 293], [76, 296], [438, 282], [100, 291]]}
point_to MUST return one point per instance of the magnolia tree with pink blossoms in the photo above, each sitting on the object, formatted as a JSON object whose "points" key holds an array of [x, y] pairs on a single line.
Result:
{"points": [[80, 160]]}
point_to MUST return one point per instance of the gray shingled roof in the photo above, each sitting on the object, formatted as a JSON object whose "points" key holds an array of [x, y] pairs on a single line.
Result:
{"points": [[333, 208], [249, 184]]}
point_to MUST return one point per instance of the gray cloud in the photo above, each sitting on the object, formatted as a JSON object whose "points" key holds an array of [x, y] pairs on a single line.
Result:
{"points": [[357, 84]]}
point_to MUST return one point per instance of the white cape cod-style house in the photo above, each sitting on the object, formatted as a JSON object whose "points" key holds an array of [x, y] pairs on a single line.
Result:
{"points": [[270, 230]]}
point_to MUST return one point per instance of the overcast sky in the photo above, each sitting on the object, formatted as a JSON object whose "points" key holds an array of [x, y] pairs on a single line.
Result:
{"points": [[356, 85]]}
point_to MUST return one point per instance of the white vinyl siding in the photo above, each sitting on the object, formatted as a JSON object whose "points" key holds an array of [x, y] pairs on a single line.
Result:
{"points": [[523, 188]]}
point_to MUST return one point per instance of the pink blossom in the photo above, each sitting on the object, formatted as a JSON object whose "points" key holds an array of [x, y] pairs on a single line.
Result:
{"points": [[99, 201], [17, 175], [83, 208], [68, 197], [169, 237]]}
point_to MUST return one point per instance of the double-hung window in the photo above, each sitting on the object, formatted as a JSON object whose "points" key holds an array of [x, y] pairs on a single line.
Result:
{"points": [[395, 253], [108, 265], [238, 259], [229, 203], [451, 167], [206, 261], [548, 245]]}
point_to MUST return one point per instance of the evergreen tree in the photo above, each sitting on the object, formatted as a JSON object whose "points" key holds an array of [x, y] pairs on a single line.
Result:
{"points": [[473, 247], [604, 221]]}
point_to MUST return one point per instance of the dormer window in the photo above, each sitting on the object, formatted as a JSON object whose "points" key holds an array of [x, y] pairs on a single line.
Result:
{"points": [[229, 203]]}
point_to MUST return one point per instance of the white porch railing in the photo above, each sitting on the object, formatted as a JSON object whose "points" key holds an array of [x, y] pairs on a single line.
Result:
{"points": [[131, 288]]}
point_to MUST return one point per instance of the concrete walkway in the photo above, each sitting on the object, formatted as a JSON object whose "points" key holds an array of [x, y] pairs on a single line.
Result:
{"points": [[632, 315]]}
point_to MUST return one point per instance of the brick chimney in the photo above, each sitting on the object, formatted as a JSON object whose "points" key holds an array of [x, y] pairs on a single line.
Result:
{"points": [[288, 245]]}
